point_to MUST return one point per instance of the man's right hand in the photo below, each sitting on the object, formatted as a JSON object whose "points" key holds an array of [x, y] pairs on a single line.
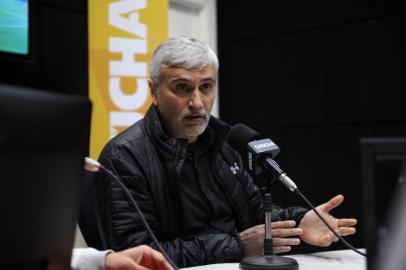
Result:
{"points": [[253, 238]]}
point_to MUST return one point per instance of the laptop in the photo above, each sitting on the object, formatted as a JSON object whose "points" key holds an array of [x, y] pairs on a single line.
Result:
{"points": [[383, 163], [43, 141]]}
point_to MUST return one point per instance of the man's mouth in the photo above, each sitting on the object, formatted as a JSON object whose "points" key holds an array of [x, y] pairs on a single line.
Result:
{"points": [[195, 117]]}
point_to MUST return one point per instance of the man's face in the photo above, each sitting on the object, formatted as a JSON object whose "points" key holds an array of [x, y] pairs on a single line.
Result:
{"points": [[184, 100]]}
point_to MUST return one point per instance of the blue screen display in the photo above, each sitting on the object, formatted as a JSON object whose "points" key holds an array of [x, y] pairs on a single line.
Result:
{"points": [[14, 26]]}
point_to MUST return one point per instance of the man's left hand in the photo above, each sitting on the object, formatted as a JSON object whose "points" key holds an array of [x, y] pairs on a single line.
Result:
{"points": [[316, 233]]}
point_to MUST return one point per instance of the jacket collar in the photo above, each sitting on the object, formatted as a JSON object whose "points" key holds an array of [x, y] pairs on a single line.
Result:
{"points": [[215, 134]]}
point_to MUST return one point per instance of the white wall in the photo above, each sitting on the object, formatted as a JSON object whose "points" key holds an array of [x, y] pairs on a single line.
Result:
{"points": [[195, 18]]}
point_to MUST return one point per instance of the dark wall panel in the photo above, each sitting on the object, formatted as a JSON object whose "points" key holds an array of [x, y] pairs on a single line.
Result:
{"points": [[347, 75], [246, 19], [387, 67], [309, 147], [389, 130], [386, 7], [270, 91], [315, 76], [63, 50], [16, 71], [232, 71], [76, 5], [366, 64]]}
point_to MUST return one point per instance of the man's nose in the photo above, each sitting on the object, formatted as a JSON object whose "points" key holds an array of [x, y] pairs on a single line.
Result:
{"points": [[195, 100]]}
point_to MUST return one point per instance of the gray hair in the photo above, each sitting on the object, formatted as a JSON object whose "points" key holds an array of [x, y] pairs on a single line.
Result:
{"points": [[181, 52]]}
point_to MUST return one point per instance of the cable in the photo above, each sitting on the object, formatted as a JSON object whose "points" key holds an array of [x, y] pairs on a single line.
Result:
{"points": [[128, 195], [326, 223], [293, 187]]}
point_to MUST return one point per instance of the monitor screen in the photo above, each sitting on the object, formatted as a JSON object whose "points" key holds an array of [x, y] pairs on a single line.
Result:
{"points": [[14, 26], [384, 173], [43, 140]]}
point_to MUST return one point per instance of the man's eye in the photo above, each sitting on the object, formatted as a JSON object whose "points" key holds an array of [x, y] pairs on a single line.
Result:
{"points": [[182, 87], [206, 87]]}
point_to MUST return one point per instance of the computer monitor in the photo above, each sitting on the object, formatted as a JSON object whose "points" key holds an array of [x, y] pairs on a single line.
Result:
{"points": [[43, 141], [14, 27], [384, 172]]}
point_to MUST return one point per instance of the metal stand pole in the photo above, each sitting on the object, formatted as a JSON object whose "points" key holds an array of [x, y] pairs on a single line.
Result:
{"points": [[269, 261]]}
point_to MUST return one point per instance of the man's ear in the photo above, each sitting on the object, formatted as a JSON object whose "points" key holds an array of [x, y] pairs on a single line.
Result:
{"points": [[153, 89]]}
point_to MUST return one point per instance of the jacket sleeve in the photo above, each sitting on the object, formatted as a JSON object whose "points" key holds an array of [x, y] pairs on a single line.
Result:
{"points": [[204, 249], [124, 228]]}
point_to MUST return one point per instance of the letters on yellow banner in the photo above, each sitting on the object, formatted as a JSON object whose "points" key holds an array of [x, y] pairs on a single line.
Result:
{"points": [[122, 37]]}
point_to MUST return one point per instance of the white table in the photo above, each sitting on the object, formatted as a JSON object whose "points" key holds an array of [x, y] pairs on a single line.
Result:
{"points": [[329, 260]]}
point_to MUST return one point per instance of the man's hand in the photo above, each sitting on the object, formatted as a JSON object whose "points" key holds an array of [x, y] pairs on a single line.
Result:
{"points": [[253, 238], [137, 258], [315, 232], [280, 231]]}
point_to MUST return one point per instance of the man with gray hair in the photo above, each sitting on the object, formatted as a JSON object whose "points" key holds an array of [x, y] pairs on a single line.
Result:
{"points": [[189, 183]]}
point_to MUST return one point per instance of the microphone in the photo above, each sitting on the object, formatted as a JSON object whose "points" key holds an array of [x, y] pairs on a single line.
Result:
{"points": [[92, 165], [260, 154]]}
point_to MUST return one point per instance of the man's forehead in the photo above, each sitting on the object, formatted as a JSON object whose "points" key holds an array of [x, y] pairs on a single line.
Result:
{"points": [[176, 73]]}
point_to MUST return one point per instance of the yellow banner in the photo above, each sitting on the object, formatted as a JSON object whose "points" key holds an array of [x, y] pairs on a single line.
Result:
{"points": [[122, 37]]}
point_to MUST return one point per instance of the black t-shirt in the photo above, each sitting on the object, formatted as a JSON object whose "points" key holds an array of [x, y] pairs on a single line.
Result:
{"points": [[205, 207]]}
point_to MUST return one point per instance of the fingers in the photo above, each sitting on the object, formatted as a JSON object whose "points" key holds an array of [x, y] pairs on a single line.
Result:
{"points": [[116, 261], [253, 240], [135, 266], [283, 224], [154, 259], [281, 249], [332, 203], [329, 237], [344, 231], [156, 256], [345, 226], [347, 222], [284, 244], [282, 231], [327, 240], [144, 256], [286, 241], [161, 263], [285, 228]]}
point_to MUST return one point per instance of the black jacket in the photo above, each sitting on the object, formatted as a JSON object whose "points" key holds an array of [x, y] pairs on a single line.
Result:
{"points": [[149, 163]]}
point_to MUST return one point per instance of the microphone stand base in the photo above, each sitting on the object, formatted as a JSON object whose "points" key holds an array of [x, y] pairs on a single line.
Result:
{"points": [[270, 262]]}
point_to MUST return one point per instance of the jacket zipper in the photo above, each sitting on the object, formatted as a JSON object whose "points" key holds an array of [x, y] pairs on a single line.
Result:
{"points": [[180, 160]]}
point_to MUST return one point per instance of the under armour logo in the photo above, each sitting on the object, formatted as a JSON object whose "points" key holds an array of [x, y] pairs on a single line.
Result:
{"points": [[234, 169]]}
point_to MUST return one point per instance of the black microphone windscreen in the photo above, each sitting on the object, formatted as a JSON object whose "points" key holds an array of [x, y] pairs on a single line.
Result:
{"points": [[239, 136]]}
